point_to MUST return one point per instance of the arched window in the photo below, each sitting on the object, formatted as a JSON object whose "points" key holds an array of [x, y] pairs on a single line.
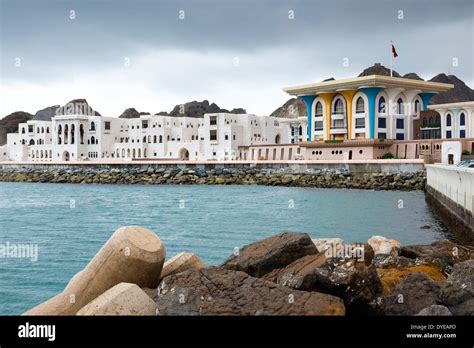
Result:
{"points": [[462, 119], [338, 106], [42, 129], [438, 121], [417, 105], [400, 106], [154, 139], [319, 109], [360, 107], [73, 130], [92, 140], [60, 130], [66, 130], [300, 131], [161, 139], [423, 123], [144, 140], [448, 120], [430, 123], [97, 141], [47, 130], [168, 138], [23, 131], [92, 126], [32, 142], [81, 133], [382, 108], [37, 129], [149, 138]]}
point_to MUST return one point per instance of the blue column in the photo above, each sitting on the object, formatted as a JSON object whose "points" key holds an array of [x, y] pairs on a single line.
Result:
{"points": [[426, 97], [371, 93], [308, 100]]}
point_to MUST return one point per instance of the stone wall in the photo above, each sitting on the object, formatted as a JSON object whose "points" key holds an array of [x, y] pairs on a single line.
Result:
{"points": [[259, 175]]}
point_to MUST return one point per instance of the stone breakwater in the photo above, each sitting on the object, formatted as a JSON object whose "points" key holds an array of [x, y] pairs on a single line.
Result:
{"points": [[322, 178], [286, 274]]}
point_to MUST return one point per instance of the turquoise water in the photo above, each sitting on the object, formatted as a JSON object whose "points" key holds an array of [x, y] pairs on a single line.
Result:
{"points": [[213, 221]]}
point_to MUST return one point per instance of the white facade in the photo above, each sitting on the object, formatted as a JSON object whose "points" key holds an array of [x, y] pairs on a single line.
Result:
{"points": [[80, 137], [457, 119]]}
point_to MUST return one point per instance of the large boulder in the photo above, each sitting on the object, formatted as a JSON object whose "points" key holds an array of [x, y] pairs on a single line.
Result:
{"points": [[415, 292], [458, 291], [323, 244], [443, 253], [392, 276], [348, 278], [132, 254], [122, 299], [220, 291], [180, 263], [260, 258], [382, 245]]}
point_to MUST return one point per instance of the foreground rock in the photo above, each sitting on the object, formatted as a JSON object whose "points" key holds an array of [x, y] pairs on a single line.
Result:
{"points": [[219, 291], [444, 254], [385, 246], [458, 292], [392, 276], [260, 258], [181, 262], [415, 292], [132, 254], [122, 299], [435, 310]]}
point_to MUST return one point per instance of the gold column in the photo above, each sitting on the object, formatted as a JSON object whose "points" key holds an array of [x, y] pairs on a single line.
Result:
{"points": [[348, 95]]}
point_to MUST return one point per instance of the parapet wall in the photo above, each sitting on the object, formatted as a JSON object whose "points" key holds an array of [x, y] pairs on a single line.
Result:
{"points": [[451, 190]]}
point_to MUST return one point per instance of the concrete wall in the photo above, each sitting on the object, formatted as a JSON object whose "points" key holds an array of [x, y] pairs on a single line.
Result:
{"points": [[452, 189]]}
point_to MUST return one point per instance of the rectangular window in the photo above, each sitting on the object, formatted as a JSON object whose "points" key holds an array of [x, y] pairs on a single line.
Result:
{"points": [[213, 134], [213, 120], [30, 128], [318, 125], [360, 122], [382, 135], [400, 123], [400, 136], [462, 133], [107, 125], [448, 134], [226, 137], [144, 123], [382, 122]]}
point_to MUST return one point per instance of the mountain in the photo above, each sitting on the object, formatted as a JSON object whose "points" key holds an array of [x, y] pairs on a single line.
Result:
{"points": [[77, 107], [293, 108], [198, 109], [46, 113], [132, 113], [460, 92], [9, 124], [378, 69]]}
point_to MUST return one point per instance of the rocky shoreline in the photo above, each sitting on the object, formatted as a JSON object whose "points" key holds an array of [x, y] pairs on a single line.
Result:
{"points": [[286, 274], [327, 178]]}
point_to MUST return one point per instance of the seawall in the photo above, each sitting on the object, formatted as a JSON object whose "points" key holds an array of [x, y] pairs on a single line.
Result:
{"points": [[379, 175], [450, 190]]}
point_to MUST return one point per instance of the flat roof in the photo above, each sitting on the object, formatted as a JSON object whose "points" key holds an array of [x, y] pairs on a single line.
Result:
{"points": [[452, 105], [367, 81]]}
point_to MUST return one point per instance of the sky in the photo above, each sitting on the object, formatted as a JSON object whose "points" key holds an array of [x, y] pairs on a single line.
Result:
{"points": [[153, 55]]}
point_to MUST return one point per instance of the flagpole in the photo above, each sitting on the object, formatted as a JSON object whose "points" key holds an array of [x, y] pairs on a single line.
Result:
{"points": [[391, 59]]}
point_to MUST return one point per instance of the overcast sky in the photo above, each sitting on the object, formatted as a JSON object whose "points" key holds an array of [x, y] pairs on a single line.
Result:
{"points": [[120, 54]]}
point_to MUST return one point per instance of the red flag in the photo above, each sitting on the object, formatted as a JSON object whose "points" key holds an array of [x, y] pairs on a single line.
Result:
{"points": [[395, 55]]}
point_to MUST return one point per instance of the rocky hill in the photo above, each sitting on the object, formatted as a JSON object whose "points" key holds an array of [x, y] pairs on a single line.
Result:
{"points": [[293, 108], [460, 92], [132, 113], [9, 124]]}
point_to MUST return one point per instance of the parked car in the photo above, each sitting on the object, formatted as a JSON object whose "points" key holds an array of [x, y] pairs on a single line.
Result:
{"points": [[465, 163]]}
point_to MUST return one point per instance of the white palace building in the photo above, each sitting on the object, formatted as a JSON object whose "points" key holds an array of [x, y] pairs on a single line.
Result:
{"points": [[76, 137]]}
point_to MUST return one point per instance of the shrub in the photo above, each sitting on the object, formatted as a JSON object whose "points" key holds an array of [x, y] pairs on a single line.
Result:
{"points": [[388, 155], [262, 158], [466, 152]]}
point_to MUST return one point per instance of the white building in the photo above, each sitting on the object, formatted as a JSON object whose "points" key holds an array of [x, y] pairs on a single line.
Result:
{"points": [[80, 137], [457, 119]]}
